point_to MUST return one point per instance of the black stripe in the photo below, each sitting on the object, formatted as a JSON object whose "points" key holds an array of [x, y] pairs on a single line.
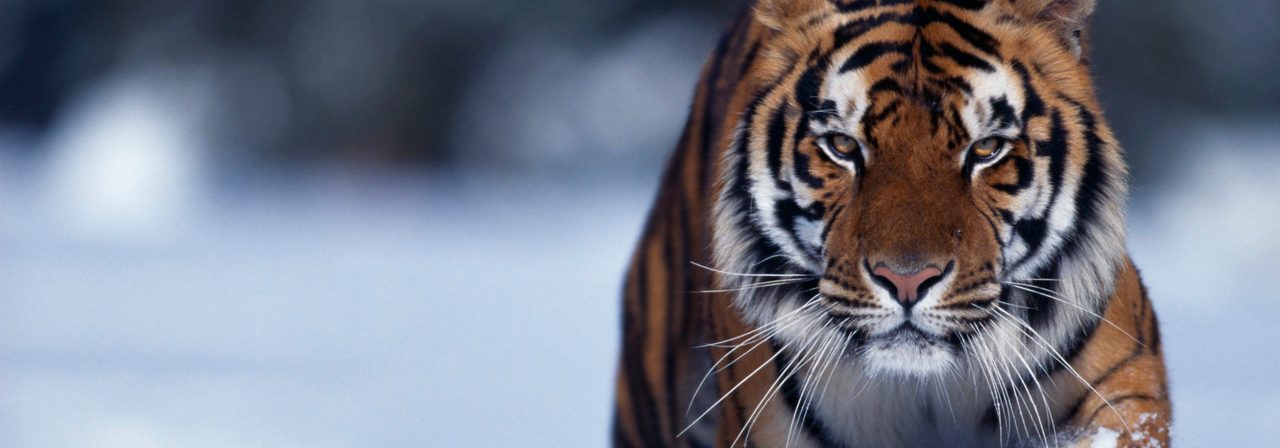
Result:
{"points": [[856, 28], [810, 85], [1034, 106], [773, 145], [972, 5], [802, 172], [955, 83], [1115, 368], [1024, 173], [995, 227], [677, 305], [1117, 400], [1033, 232], [1056, 150], [750, 58], [925, 51], [1043, 310], [1097, 175], [975, 37], [1002, 113], [964, 58], [641, 396], [868, 53], [836, 211]]}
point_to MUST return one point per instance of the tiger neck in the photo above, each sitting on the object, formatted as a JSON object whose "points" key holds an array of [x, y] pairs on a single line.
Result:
{"points": [[850, 408]]}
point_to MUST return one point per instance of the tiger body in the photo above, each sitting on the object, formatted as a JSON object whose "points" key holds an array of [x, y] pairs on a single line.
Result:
{"points": [[892, 223]]}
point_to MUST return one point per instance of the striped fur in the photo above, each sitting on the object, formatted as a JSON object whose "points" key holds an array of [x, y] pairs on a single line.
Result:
{"points": [[751, 313]]}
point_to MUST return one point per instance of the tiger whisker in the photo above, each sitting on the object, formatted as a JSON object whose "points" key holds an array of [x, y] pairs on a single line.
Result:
{"points": [[941, 384], [1003, 398], [762, 335], [784, 376], [1027, 390], [1001, 412], [748, 287], [1044, 399], [732, 390], [832, 364], [1067, 365], [1014, 305], [812, 301], [981, 356], [758, 341], [1049, 293], [1012, 398], [741, 274], [809, 357], [843, 351], [818, 369], [766, 259], [1030, 400], [817, 361]]}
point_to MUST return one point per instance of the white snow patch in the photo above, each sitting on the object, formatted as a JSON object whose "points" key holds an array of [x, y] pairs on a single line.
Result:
{"points": [[1105, 438]]}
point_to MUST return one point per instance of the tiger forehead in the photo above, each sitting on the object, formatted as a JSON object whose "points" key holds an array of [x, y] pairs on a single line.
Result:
{"points": [[859, 104], [850, 92], [899, 53]]}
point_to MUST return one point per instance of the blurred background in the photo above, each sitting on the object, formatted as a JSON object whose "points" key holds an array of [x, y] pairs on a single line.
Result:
{"points": [[404, 223]]}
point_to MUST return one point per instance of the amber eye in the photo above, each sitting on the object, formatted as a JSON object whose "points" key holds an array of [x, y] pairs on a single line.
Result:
{"points": [[842, 145], [987, 148]]}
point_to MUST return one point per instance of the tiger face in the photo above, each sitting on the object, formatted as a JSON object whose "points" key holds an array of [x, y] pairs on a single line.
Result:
{"points": [[921, 165]]}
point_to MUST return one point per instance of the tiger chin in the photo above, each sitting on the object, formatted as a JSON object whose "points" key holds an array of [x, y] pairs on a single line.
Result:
{"points": [[894, 223]]}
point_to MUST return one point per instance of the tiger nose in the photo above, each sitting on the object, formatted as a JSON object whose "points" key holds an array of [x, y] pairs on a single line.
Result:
{"points": [[907, 287]]}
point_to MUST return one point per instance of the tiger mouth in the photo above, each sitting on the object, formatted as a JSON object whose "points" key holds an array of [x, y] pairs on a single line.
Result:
{"points": [[905, 334], [909, 335]]}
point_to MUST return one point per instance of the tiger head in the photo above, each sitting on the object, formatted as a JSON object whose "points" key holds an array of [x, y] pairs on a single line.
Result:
{"points": [[936, 172]]}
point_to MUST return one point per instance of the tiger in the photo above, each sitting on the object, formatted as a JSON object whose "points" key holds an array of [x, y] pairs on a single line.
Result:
{"points": [[892, 223]]}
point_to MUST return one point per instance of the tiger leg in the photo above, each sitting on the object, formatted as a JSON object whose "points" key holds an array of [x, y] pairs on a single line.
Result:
{"points": [[1129, 400]]}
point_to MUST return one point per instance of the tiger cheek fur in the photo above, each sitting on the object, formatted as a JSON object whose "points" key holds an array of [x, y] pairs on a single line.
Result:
{"points": [[892, 223]]}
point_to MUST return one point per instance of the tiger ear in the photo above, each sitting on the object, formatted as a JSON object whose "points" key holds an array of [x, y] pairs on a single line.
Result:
{"points": [[780, 14], [1067, 17]]}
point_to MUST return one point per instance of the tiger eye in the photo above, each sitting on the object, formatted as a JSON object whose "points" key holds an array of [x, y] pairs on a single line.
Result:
{"points": [[843, 144], [986, 147]]}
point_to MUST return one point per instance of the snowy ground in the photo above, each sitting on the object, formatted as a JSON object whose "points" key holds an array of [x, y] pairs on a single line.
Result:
{"points": [[323, 310]]}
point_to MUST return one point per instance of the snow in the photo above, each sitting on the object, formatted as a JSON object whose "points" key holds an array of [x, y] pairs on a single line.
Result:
{"points": [[1104, 438], [1142, 434]]}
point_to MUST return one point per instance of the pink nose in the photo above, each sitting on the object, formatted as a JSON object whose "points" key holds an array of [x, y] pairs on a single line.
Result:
{"points": [[907, 287]]}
